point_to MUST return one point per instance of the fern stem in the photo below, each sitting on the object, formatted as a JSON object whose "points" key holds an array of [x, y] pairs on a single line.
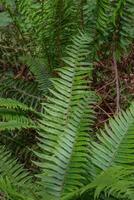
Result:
{"points": [[117, 83], [81, 14]]}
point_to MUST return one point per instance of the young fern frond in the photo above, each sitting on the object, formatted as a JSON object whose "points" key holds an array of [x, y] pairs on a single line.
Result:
{"points": [[115, 146], [64, 136]]}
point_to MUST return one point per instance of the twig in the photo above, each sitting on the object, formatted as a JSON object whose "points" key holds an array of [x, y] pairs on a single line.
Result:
{"points": [[109, 83], [117, 83], [103, 111], [13, 48], [110, 108]]}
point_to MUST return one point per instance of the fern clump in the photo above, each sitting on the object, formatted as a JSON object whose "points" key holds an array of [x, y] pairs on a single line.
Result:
{"points": [[72, 164], [47, 116]]}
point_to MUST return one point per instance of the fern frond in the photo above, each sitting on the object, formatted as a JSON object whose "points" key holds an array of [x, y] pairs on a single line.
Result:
{"points": [[103, 18], [122, 18], [48, 24], [112, 184], [64, 136], [12, 104], [116, 182], [8, 191], [41, 73], [127, 29], [9, 168], [14, 180], [115, 146], [26, 92], [68, 168], [15, 115], [89, 17]]}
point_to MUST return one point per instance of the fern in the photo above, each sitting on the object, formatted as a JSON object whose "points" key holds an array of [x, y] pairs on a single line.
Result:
{"points": [[15, 182], [14, 115], [116, 142], [103, 10], [21, 90], [115, 181], [112, 27], [48, 26], [89, 17], [123, 18], [40, 72], [104, 19], [64, 129], [72, 164]]}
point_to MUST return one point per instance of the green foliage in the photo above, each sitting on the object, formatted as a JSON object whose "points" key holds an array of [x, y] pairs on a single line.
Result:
{"points": [[71, 162], [15, 182], [64, 128], [15, 118], [122, 19], [46, 27], [116, 181], [5, 19], [30, 92], [69, 155], [41, 73], [116, 142], [14, 115], [103, 10]]}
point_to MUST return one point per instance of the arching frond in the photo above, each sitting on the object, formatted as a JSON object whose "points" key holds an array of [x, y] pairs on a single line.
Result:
{"points": [[64, 134], [115, 146]]}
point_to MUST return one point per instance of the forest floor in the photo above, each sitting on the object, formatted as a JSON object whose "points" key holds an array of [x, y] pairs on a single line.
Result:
{"points": [[104, 83]]}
